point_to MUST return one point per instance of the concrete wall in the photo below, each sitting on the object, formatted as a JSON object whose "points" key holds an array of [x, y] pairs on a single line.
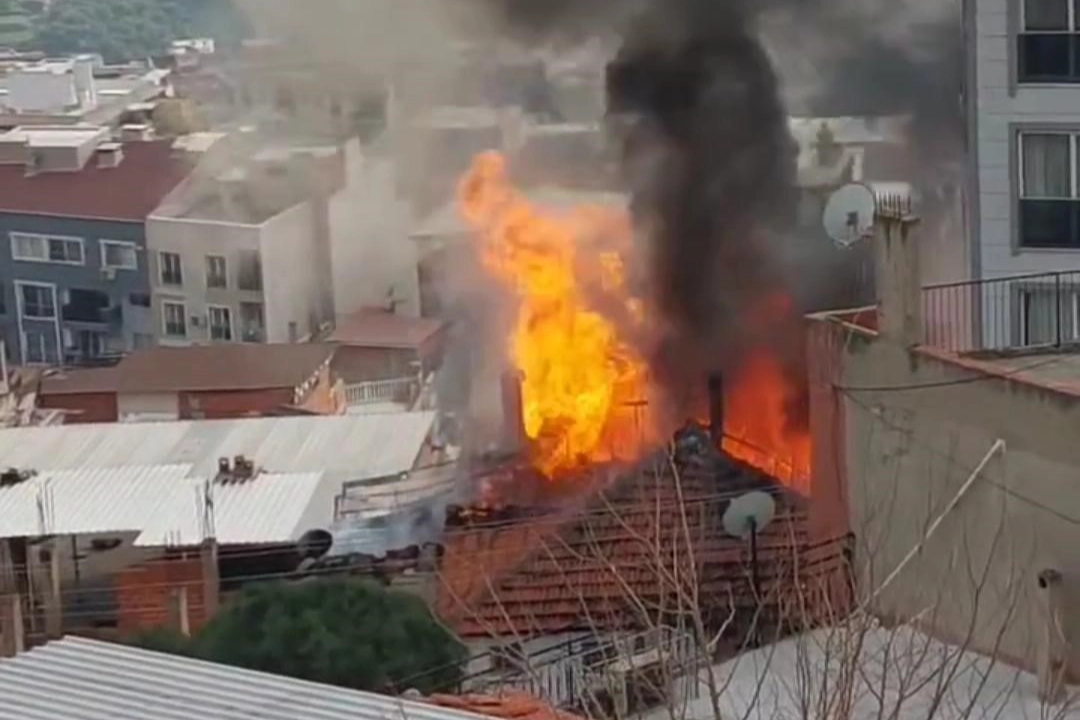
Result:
{"points": [[193, 240], [291, 282], [371, 252], [1002, 107], [123, 333], [905, 453]]}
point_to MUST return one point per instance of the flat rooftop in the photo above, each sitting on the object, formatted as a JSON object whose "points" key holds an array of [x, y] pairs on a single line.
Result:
{"points": [[59, 136]]}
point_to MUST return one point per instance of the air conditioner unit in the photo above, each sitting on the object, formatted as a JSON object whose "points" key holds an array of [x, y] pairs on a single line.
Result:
{"points": [[108, 273], [196, 321]]}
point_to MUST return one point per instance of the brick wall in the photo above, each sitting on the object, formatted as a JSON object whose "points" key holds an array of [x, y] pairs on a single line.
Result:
{"points": [[224, 404], [84, 407], [144, 593]]}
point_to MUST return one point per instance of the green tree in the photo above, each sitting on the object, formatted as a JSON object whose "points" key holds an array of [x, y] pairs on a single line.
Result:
{"points": [[134, 29], [343, 632]]}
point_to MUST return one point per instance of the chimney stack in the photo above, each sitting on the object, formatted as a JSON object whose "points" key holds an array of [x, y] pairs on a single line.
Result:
{"points": [[898, 272], [716, 408], [514, 438]]}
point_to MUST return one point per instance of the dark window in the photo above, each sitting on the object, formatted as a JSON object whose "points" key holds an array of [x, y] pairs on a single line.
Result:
{"points": [[252, 325], [172, 272], [220, 323], [217, 275], [139, 299], [249, 274], [1049, 42], [3, 299], [175, 319], [1049, 203], [38, 301], [84, 306]]}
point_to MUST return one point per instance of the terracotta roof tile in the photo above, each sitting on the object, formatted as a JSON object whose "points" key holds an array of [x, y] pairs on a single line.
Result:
{"points": [[510, 706], [579, 572], [380, 329], [127, 192]]}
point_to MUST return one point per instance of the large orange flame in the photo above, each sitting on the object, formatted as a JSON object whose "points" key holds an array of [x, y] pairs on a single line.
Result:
{"points": [[581, 379], [584, 384]]}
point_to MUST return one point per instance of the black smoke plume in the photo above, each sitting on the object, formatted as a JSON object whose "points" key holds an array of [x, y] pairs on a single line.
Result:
{"points": [[710, 163]]}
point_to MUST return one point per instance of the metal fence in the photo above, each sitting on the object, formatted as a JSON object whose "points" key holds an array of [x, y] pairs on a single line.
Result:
{"points": [[396, 390], [1020, 311]]}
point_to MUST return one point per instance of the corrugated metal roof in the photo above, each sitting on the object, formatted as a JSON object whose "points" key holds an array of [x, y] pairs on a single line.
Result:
{"points": [[80, 679], [89, 501], [164, 503], [267, 509], [350, 446]]}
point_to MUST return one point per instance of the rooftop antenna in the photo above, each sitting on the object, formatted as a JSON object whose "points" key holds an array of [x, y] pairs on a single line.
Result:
{"points": [[745, 517], [849, 214]]}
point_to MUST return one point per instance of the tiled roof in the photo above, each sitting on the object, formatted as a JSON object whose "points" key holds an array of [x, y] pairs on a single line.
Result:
{"points": [[509, 706], [229, 366], [579, 572], [127, 192], [380, 329], [76, 679]]}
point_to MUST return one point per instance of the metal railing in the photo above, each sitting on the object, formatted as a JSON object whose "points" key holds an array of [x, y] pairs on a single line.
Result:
{"points": [[396, 390], [1021, 311]]}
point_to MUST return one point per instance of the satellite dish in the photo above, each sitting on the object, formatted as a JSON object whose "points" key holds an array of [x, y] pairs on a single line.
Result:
{"points": [[849, 214], [749, 514]]}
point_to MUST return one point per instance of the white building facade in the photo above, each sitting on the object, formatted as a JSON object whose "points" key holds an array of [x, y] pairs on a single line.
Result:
{"points": [[1023, 107]]}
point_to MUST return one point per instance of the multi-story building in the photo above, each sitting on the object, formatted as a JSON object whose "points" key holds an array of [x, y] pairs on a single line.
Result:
{"points": [[73, 205], [1024, 126], [242, 254]]}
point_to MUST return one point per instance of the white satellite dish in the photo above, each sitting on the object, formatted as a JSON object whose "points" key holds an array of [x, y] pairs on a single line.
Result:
{"points": [[849, 214], [749, 514]]}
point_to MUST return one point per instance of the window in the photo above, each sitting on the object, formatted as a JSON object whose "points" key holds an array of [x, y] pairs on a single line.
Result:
{"points": [[220, 323], [84, 305], [175, 318], [28, 247], [1048, 49], [119, 255], [171, 271], [1049, 198], [38, 301], [252, 324], [216, 274], [3, 299], [139, 299], [249, 276], [1048, 315], [35, 348]]}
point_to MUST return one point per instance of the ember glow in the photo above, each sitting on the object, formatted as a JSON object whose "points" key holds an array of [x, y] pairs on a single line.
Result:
{"points": [[756, 422], [582, 381]]}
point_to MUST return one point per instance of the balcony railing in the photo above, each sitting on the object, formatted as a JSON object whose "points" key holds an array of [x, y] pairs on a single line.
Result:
{"points": [[1017, 312], [396, 390]]}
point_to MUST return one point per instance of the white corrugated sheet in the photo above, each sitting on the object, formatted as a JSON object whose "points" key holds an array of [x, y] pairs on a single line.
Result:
{"points": [[351, 446], [165, 505], [79, 679]]}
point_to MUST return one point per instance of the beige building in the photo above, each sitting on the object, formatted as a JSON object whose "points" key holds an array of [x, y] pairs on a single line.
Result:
{"points": [[242, 254], [953, 468]]}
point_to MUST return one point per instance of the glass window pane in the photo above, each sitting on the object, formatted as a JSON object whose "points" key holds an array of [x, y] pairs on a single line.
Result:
{"points": [[1046, 171], [1046, 14], [1045, 58]]}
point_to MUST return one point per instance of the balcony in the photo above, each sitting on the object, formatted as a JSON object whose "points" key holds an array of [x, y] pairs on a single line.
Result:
{"points": [[400, 391], [90, 307], [1020, 312]]}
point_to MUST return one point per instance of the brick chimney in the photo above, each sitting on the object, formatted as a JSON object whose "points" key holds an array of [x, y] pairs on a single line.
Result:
{"points": [[514, 437], [897, 270]]}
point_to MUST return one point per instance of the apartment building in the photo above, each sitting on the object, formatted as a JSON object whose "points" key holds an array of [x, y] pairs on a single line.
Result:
{"points": [[1024, 125], [73, 204], [242, 255]]}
